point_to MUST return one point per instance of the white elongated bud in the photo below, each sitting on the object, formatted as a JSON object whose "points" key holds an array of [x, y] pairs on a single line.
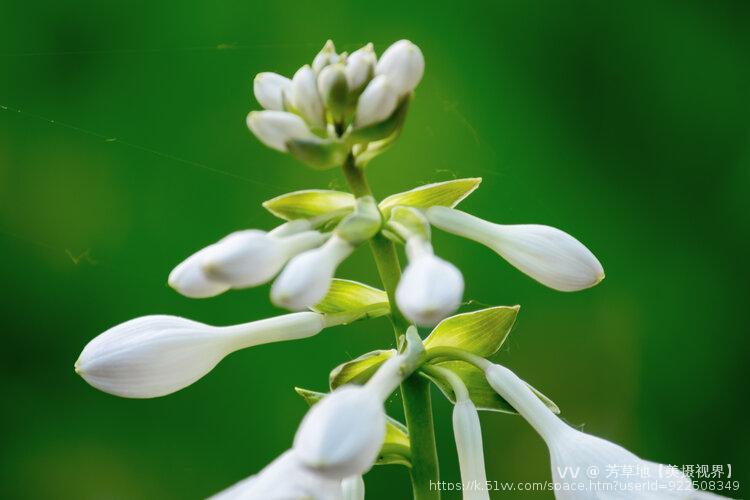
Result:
{"points": [[269, 89], [403, 64], [286, 478], [430, 288], [353, 488], [251, 257], [326, 56], [572, 450], [189, 279], [377, 102], [334, 90], [342, 434], [157, 355], [276, 128], [360, 67], [468, 434], [306, 279], [549, 255], [305, 97]]}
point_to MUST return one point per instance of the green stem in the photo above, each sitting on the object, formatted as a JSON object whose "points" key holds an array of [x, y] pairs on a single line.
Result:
{"points": [[415, 390]]}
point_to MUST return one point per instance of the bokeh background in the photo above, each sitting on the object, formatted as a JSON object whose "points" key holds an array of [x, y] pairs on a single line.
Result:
{"points": [[123, 149]]}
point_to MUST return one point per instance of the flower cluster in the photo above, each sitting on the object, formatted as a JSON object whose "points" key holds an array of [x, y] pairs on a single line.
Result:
{"points": [[344, 110]]}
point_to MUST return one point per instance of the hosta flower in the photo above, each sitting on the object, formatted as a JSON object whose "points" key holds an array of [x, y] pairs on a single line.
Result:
{"points": [[307, 277], [360, 67], [342, 434], [156, 355], [353, 488], [430, 288], [269, 90], [573, 451], [403, 64], [377, 102], [241, 259], [286, 478], [550, 256], [276, 128], [468, 434], [306, 98]]}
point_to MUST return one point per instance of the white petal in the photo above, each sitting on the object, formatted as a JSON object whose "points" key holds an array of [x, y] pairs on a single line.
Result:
{"points": [[360, 66], [156, 355], [276, 128], [305, 97], [251, 257], [468, 433], [549, 255], [430, 289], [342, 434], [353, 488], [268, 88], [376, 103], [283, 479], [403, 64], [307, 277], [189, 279]]}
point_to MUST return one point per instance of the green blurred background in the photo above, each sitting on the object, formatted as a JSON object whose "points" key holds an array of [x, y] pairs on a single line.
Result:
{"points": [[623, 123]]}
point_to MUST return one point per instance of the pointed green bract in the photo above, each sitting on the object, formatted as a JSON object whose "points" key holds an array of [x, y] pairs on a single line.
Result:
{"points": [[359, 370], [480, 391], [396, 446], [444, 194], [352, 297], [309, 203], [479, 332]]}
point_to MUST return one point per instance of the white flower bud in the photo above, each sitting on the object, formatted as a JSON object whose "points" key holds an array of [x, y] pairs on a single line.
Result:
{"points": [[251, 257], [307, 277], [403, 64], [353, 488], [550, 256], [360, 67], [468, 434], [156, 355], [189, 279], [572, 450], [377, 102], [326, 56], [286, 478], [276, 128], [342, 435], [334, 90], [430, 288], [269, 88], [306, 99]]}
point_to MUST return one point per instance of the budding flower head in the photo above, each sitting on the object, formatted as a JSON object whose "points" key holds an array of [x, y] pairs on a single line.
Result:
{"points": [[342, 434], [403, 64], [431, 288], [156, 355], [286, 478], [549, 255], [307, 278]]}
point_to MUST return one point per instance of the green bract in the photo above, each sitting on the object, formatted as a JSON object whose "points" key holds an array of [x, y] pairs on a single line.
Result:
{"points": [[309, 203], [479, 332], [346, 296], [445, 194]]}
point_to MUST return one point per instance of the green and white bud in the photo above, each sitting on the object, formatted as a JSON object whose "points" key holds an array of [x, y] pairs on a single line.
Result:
{"points": [[360, 67], [334, 90], [306, 99], [403, 64], [276, 128], [157, 355], [549, 255], [377, 102], [269, 89], [341, 435], [363, 223], [326, 56], [307, 277]]}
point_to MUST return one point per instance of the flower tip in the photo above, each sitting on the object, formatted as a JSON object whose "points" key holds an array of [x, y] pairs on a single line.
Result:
{"points": [[77, 367]]}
